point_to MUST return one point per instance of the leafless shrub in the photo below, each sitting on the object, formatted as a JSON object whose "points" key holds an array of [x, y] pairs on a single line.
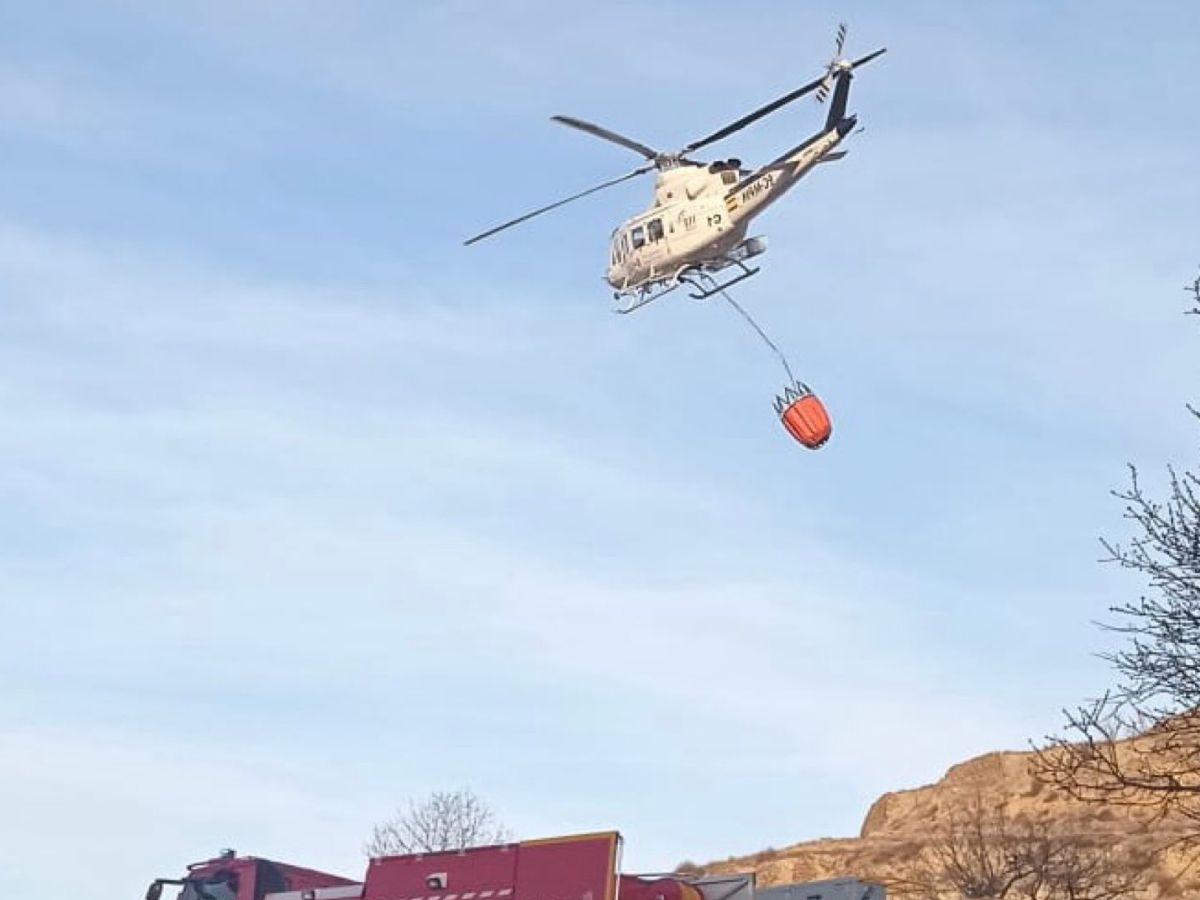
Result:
{"points": [[984, 854], [446, 820]]}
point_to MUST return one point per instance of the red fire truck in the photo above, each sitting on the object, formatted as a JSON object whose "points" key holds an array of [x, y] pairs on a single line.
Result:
{"points": [[576, 867]]}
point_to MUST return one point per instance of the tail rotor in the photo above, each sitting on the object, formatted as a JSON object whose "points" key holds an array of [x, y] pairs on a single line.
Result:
{"points": [[835, 65]]}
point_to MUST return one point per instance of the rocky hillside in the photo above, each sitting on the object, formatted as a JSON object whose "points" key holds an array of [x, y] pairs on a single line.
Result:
{"points": [[900, 824]]}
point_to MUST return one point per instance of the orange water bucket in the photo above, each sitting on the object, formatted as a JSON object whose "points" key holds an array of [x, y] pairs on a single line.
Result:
{"points": [[804, 416]]}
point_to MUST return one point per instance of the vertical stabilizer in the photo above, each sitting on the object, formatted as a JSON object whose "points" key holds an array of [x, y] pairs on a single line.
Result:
{"points": [[841, 95]]}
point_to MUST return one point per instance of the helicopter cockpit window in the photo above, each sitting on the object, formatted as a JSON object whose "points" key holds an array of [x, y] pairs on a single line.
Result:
{"points": [[655, 230], [639, 236]]}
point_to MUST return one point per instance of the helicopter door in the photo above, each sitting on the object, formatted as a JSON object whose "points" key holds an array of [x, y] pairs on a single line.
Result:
{"points": [[656, 248]]}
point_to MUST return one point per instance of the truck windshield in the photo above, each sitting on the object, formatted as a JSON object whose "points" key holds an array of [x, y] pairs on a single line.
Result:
{"points": [[215, 889]]}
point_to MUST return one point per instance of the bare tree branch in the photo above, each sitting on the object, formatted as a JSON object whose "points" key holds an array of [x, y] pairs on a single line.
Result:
{"points": [[1139, 744], [446, 820], [985, 854]]}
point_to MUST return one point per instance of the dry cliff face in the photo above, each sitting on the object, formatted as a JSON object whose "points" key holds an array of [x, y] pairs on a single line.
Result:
{"points": [[900, 824]]}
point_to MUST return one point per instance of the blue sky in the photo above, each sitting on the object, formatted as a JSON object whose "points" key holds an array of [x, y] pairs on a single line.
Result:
{"points": [[305, 509]]}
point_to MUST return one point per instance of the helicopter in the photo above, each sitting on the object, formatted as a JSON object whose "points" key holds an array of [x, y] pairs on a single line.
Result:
{"points": [[696, 229]]}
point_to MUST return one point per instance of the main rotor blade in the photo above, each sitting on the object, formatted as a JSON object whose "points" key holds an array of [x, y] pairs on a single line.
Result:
{"points": [[629, 143], [750, 118], [866, 59], [640, 170], [771, 107]]}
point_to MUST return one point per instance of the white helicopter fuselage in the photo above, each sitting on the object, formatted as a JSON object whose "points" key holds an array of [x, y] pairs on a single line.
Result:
{"points": [[698, 223], [701, 214]]}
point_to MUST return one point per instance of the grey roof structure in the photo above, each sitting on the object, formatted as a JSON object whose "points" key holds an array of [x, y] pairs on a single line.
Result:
{"points": [[831, 889]]}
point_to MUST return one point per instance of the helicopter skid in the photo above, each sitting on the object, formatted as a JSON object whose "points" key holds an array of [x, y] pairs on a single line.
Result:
{"points": [[707, 286], [699, 278], [648, 293]]}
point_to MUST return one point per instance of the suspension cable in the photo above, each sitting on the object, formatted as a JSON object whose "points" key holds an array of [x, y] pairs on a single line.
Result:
{"points": [[762, 334]]}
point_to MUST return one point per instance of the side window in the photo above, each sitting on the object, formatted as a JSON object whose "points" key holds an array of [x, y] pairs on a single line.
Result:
{"points": [[655, 230], [729, 176], [639, 236]]}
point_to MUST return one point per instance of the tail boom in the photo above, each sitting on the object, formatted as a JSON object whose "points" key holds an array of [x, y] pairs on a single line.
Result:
{"points": [[762, 188]]}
